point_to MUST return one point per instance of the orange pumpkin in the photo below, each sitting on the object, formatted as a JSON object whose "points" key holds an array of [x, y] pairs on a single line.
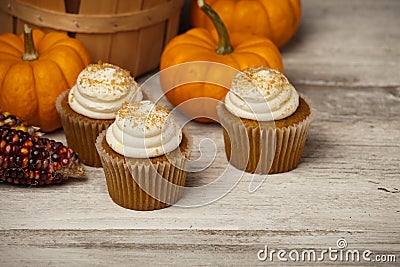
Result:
{"points": [[198, 44], [277, 20], [32, 78]]}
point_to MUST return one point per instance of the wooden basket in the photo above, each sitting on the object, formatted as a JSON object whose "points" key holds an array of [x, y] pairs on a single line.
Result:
{"points": [[128, 33]]}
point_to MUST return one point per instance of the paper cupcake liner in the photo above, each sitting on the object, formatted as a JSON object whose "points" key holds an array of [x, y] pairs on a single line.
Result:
{"points": [[138, 184], [80, 131], [252, 148]]}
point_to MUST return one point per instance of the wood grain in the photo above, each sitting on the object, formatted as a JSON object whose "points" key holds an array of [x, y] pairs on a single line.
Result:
{"points": [[347, 185], [171, 247], [335, 192], [345, 43]]}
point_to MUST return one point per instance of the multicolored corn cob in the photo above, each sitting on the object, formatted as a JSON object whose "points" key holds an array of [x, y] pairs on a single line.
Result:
{"points": [[30, 159], [11, 121]]}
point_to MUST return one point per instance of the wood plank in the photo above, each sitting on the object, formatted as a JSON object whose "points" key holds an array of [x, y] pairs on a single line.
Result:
{"points": [[337, 186], [347, 104], [344, 59], [346, 44], [174, 247]]}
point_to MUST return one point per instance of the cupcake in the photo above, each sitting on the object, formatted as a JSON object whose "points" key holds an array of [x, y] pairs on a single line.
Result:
{"points": [[144, 154], [265, 122], [91, 105]]}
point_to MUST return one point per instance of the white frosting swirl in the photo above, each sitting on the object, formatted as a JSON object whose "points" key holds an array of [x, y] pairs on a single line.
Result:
{"points": [[262, 94], [143, 130], [101, 90]]}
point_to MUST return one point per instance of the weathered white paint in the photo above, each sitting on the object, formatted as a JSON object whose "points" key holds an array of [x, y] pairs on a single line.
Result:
{"points": [[345, 187]]}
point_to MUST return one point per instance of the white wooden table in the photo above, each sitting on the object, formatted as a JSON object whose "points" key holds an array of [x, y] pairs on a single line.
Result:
{"points": [[346, 59]]}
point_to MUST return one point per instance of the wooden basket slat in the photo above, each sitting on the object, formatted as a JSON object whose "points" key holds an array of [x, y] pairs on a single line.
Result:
{"points": [[172, 28], [128, 55], [129, 5], [151, 3], [6, 22], [137, 49], [149, 48], [99, 48], [57, 5], [100, 7]]}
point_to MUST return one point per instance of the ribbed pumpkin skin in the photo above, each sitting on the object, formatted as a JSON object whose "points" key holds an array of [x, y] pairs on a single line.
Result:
{"points": [[199, 44], [277, 20], [29, 89]]}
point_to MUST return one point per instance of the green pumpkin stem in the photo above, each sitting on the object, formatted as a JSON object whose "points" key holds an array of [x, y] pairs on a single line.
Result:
{"points": [[30, 53], [224, 44]]}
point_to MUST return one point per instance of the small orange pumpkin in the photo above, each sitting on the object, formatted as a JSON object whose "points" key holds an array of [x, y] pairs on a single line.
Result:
{"points": [[32, 78], [199, 44], [277, 20]]}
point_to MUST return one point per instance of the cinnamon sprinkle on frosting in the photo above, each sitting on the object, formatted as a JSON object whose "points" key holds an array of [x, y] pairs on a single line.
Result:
{"points": [[261, 93], [101, 89], [143, 129]]}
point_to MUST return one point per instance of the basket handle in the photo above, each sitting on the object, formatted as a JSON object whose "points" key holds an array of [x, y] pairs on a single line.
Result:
{"points": [[82, 23]]}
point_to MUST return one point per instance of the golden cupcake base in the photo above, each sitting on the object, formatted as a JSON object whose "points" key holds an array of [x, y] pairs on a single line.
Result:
{"points": [[144, 184], [81, 131], [265, 147]]}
